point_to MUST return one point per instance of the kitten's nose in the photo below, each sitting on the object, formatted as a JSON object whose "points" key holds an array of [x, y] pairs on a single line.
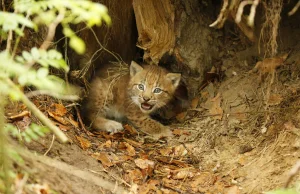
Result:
{"points": [[146, 99]]}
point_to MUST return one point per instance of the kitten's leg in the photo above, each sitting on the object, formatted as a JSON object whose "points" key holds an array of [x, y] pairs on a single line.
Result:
{"points": [[103, 124], [148, 125]]}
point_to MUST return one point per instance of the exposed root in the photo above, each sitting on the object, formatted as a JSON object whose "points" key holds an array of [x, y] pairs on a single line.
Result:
{"points": [[234, 10], [294, 10], [269, 31]]}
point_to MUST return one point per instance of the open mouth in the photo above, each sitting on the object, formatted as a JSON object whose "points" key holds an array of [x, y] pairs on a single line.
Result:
{"points": [[146, 106]]}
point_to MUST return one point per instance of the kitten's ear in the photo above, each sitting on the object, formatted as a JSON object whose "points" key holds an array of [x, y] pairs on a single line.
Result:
{"points": [[175, 78], [135, 68]]}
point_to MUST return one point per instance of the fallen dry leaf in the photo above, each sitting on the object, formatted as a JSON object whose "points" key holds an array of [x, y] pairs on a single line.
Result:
{"points": [[180, 151], [147, 187], [194, 103], [122, 158], [289, 125], [144, 163], [103, 157], [239, 116], [84, 143], [181, 116], [275, 99], [62, 127], [242, 160], [59, 109], [38, 188], [270, 64], [216, 109], [166, 151], [130, 149], [167, 191], [202, 181], [134, 175], [204, 94], [130, 129], [20, 115], [180, 132], [233, 190], [170, 183], [183, 174], [133, 143], [58, 118], [106, 144], [71, 120], [167, 160]]}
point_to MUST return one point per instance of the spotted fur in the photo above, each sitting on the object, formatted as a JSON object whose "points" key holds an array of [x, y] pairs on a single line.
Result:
{"points": [[134, 97]]}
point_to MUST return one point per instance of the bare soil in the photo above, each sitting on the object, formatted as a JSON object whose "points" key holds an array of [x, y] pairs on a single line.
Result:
{"points": [[241, 135]]}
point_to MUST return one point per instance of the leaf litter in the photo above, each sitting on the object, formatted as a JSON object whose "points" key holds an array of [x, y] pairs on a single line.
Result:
{"points": [[205, 157]]}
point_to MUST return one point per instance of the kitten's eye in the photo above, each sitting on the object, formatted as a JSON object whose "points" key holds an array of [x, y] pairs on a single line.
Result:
{"points": [[140, 87], [157, 90]]}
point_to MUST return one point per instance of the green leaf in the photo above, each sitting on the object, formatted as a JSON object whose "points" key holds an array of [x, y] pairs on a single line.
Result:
{"points": [[35, 53], [283, 191], [42, 72], [14, 95], [68, 32], [77, 44], [27, 56]]}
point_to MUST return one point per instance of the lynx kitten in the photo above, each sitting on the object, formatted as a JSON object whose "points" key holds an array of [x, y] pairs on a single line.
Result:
{"points": [[133, 96]]}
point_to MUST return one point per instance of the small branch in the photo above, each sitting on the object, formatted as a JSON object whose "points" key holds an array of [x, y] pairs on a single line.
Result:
{"points": [[71, 170], [3, 6], [81, 122], [9, 40], [293, 11], [51, 31], [18, 39], [53, 138], [293, 172], [49, 93], [61, 136]]}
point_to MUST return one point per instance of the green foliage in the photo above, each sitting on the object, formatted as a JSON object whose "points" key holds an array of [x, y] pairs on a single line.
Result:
{"points": [[32, 67], [33, 132], [283, 191], [74, 12], [14, 22]]}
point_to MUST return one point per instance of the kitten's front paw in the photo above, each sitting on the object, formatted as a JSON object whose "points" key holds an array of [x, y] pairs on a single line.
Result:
{"points": [[113, 126]]}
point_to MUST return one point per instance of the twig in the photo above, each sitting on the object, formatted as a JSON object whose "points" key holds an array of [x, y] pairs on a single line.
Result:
{"points": [[293, 11], [81, 123], [51, 31], [9, 40], [113, 176], [53, 138], [18, 39], [3, 6], [74, 171], [61, 136], [49, 93], [293, 172]]}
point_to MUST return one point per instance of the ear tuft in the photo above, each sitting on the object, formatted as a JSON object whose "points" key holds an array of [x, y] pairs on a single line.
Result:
{"points": [[175, 78], [135, 68]]}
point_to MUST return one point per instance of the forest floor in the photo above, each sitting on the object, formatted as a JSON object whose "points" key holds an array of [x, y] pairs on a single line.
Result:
{"points": [[241, 135]]}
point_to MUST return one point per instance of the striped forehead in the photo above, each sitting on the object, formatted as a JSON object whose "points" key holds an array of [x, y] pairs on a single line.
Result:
{"points": [[153, 75]]}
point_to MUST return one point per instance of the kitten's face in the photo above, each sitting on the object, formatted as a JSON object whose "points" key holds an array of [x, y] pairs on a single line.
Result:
{"points": [[151, 87]]}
